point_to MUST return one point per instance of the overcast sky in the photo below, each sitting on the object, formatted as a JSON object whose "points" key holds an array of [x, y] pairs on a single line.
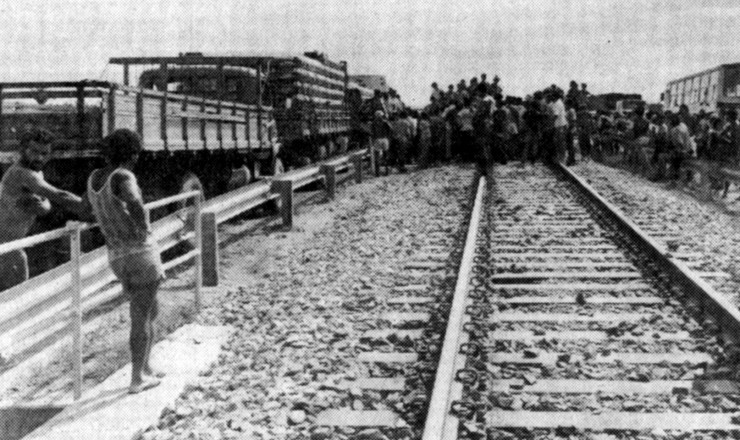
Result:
{"points": [[613, 45]]}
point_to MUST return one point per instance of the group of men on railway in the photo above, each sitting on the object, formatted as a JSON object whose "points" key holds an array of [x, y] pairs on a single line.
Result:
{"points": [[476, 123], [662, 141], [113, 200]]}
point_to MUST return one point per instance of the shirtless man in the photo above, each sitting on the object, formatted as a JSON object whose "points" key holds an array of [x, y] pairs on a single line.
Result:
{"points": [[114, 196], [25, 195]]}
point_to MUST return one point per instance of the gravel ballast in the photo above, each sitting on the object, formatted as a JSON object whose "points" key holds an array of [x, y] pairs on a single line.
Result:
{"points": [[300, 301], [677, 219]]}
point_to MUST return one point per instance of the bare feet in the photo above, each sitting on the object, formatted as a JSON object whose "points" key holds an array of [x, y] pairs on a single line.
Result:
{"points": [[146, 383], [151, 372]]}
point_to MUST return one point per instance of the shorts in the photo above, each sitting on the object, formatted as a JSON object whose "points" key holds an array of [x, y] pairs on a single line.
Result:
{"points": [[139, 268]]}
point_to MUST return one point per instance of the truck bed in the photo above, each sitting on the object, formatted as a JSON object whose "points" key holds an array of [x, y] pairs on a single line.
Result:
{"points": [[79, 114]]}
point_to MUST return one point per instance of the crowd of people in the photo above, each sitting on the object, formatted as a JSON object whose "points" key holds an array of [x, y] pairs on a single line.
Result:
{"points": [[473, 121], [664, 140]]}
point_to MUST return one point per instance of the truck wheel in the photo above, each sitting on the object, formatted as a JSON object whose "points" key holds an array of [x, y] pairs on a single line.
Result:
{"points": [[239, 177]]}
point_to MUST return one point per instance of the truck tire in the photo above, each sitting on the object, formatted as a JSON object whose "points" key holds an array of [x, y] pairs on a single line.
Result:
{"points": [[239, 177]]}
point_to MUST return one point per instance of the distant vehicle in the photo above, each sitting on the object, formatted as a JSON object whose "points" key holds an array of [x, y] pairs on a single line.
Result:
{"points": [[207, 122], [710, 90]]}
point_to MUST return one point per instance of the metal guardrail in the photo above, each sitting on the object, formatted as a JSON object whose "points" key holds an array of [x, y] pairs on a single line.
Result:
{"points": [[61, 314], [34, 314]]}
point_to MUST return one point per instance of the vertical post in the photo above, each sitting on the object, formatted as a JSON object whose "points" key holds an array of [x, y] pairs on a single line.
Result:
{"points": [[184, 121], [209, 246], [219, 125], [247, 129], [234, 126], [285, 190], [221, 86], [76, 308], [357, 161], [112, 108], [125, 74], [330, 179], [140, 114], [203, 123], [199, 256], [374, 160], [163, 106], [259, 105], [81, 132], [2, 120]]}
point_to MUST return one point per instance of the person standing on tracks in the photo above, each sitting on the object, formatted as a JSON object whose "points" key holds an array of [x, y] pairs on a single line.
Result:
{"points": [[465, 138], [482, 129], [681, 144], [438, 134], [436, 94], [24, 196], [558, 126], [403, 135], [380, 130], [114, 197], [425, 140]]}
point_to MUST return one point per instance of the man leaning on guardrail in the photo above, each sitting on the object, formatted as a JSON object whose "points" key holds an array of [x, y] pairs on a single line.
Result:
{"points": [[114, 197], [25, 195]]}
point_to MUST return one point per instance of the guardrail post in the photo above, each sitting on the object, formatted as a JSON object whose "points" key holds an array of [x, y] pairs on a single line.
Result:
{"points": [[199, 256], [330, 179], [374, 165], [357, 161], [76, 314], [209, 248], [285, 189]]}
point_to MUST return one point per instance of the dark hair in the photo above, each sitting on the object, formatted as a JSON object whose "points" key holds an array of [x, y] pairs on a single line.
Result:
{"points": [[639, 111], [121, 146], [731, 114], [38, 135], [674, 119]]}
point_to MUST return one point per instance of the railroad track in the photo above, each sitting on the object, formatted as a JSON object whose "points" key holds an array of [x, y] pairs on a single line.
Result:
{"points": [[677, 237], [571, 328], [563, 324]]}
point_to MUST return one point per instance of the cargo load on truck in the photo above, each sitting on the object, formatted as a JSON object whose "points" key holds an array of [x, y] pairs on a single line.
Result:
{"points": [[207, 122]]}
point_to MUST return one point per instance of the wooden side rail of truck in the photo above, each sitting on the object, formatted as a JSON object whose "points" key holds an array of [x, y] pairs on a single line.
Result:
{"points": [[184, 137]]}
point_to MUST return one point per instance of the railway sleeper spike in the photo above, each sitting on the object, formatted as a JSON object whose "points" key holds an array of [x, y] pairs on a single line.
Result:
{"points": [[467, 410], [467, 376], [471, 349]]}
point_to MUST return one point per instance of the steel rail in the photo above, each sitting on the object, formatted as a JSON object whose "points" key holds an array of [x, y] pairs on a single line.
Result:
{"points": [[438, 425], [712, 303]]}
